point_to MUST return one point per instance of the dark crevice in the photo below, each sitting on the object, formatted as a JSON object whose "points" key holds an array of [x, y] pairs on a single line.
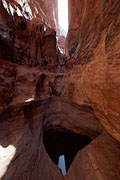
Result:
{"points": [[64, 142]]}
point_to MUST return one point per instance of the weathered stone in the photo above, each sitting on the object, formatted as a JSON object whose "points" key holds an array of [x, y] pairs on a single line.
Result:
{"points": [[52, 103], [93, 41]]}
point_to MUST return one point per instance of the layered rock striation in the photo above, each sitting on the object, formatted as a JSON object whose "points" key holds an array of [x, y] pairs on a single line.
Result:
{"points": [[44, 11], [93, 46], [50, 100]]}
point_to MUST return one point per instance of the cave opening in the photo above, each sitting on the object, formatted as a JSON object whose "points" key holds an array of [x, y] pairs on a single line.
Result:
{"points": [[63, 17], [62, 146]]}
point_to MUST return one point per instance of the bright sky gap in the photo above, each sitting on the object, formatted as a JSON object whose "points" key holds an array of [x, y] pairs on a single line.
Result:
{"points": [[61, 164], [63, 16]]}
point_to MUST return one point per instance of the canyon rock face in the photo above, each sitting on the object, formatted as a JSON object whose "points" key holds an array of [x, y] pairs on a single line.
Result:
{"points": [[94, 49], [53, 104], [44, 11], [61, 43], [27, 42]]}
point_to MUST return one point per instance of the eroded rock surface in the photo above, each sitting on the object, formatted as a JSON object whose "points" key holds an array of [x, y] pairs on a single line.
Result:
{"points": [[27, 128], [44, 11], [93, 46], [42, 90], [27, 42]]}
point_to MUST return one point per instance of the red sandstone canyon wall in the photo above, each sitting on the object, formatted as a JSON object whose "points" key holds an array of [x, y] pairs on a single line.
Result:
{"points": [[93, 45], [43, 10], [45, 93]]}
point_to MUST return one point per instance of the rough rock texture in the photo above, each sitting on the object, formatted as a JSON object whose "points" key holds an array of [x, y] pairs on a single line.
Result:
{"points": [[27, 129], [42, 90], [91, 162], [27, 42], [61, 43], [93, 43], [44, 11]]}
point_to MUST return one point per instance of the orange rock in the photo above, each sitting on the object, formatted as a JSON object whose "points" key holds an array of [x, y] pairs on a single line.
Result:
{"points": [[54, 104]]}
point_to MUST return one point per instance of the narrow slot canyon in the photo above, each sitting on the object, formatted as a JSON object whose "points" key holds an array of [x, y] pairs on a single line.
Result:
{"points": [[59, 90]]}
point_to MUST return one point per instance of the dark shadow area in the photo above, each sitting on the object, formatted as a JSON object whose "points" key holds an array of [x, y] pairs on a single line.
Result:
{"points": [[64, 142]]}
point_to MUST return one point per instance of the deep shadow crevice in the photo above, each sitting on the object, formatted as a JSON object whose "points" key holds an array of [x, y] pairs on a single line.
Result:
{"points": [[64, 142]]}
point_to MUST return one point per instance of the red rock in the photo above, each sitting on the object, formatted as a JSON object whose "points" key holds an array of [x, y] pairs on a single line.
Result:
{"points": [[51, 104], [93, 41], [61, 43]]}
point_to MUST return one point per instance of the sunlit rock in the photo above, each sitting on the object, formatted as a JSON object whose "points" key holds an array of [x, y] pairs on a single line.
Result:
{"points": [[59, 95]]}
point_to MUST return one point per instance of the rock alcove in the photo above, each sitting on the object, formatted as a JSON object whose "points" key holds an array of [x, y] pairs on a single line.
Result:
{"points": [[64, 142]]}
